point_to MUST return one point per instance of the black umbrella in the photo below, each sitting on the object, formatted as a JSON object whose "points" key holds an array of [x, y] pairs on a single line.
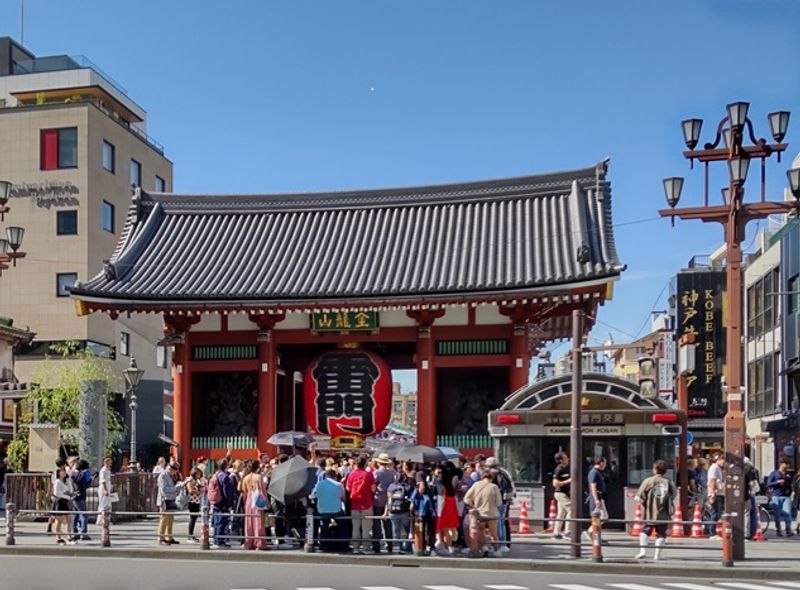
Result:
{"points": [[291, 438], [292, 480], [420, 454]]}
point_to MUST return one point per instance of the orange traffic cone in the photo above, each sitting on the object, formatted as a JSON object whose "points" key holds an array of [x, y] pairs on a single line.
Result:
{"points": [[697, 527], [551, 517], [677, 525], [636, 529], [524, 525], [759, 536]]}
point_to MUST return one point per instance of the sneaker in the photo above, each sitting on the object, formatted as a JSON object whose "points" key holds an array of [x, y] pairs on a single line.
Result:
{"points": [[192, 540], [85, 538], [789, 534], [504, 550], [587, 536], [221, 546], [61, 542], [557, 537], [778, 533], [715, 538], [174, 542]]}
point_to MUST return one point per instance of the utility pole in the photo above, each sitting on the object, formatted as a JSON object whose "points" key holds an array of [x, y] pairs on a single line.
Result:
{"points": [[575, 440]]}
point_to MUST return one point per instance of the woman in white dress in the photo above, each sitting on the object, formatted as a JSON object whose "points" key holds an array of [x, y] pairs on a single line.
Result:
{"points": [[104, 487]]}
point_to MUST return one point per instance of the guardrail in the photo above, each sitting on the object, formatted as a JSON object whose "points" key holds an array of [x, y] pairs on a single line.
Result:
{"points": [[221, 442], [464, 441], [475, 534]]}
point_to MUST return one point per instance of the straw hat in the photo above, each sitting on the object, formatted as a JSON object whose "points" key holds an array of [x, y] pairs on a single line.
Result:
{"points": [[384, 459]]}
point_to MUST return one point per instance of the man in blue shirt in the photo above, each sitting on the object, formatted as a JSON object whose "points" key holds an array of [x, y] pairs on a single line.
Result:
{"points": [[597, 490], [330, 496], [779, 483]]}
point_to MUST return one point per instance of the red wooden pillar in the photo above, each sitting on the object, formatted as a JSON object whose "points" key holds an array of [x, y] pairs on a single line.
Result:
{"points": [[267, 377], [426, 376], [520, 357], [177, 328]]}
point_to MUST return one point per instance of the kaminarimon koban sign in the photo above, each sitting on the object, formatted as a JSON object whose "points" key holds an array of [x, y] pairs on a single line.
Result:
{"points": [[348, 395]]}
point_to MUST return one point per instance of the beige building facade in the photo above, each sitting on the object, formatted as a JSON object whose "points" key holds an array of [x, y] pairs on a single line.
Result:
{"points": [[73, 143]]}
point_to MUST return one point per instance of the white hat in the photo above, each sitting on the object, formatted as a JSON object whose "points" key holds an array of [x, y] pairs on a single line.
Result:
{"points": [[491, 462]]}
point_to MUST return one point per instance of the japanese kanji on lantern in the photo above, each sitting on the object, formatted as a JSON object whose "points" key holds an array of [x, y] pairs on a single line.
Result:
{"points": [[348, 395]]}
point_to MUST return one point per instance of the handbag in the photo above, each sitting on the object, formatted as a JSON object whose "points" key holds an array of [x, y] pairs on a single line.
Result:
{"points": [[113, 497]]}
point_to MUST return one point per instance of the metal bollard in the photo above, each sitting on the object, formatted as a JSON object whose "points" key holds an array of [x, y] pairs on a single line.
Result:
{"points": [[419, 543], [105, 533], [11, 516], [309, 547], [597, 538], [727, 544], [204, 536]]}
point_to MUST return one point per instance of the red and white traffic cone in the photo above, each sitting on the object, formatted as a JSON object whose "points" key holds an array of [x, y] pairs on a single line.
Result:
{"points": [[636, 529], [677, 524], [524, 525], [697, 526], [759, 536], [551, 517]]}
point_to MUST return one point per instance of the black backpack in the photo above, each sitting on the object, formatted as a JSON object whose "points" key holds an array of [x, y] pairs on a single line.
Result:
{"points": [[400, 498]]}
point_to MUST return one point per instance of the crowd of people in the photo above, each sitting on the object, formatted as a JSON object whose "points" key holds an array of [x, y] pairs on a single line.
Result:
{"points": [[360, 504]]}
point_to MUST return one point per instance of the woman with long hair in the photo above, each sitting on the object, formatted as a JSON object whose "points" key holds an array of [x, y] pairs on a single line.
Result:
{"points": [[254, 496], [196, 488], [448, 520], [63, 494]]}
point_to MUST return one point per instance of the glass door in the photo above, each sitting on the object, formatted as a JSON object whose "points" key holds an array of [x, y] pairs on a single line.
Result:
{"points": [[611, 449]]}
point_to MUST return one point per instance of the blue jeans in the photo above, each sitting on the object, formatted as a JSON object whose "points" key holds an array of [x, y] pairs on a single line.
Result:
{"points": [[401, 527], [782, 509], [717, 507], [220, 522], [80, 522], [752, 513], [501, 523]]}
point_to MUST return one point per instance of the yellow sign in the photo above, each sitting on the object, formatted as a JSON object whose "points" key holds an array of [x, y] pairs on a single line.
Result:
{"points": [[344, 321]]}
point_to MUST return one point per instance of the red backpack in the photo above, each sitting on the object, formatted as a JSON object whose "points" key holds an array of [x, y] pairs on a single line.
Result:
{"points": [[214, 491]]}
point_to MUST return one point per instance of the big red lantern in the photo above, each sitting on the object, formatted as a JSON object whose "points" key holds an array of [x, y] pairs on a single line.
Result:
{"points": [[348, 395]]}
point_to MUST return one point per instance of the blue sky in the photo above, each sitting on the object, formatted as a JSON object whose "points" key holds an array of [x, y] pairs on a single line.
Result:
{"points": [[286, 96]]}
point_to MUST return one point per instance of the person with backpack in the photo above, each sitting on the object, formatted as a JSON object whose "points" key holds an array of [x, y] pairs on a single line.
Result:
{"points": [[81, 481], [751, 489], [424, 508], [221, 498], [656, 495], [398, 509], [360, 486]]}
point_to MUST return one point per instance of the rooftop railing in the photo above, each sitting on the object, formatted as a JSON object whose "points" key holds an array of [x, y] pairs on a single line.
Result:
{"points": [[60, 63]]}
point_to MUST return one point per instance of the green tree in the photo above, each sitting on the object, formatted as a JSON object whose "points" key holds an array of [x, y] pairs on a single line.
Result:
{"points": [[55, 390]]}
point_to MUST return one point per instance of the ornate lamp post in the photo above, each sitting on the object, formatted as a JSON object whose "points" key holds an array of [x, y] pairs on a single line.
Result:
{"points": [[133, 376], [733, 215], [11, 244]]}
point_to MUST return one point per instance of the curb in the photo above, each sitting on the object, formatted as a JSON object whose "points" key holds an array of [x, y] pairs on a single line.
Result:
{"points": [[584, 566]]}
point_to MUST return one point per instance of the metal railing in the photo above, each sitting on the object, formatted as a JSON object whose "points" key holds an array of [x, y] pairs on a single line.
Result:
{"points": [[221, 442], [464, 441]]}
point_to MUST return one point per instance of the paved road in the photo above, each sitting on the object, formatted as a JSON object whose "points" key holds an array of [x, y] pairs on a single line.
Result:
{"points": [[65, 573]]}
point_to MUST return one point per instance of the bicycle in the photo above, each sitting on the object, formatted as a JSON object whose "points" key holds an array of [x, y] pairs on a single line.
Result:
{"points": [[762, 504]]}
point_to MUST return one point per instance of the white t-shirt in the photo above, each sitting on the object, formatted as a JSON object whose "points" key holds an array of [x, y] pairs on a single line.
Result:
{"points": [[104, 481], [715, 473]]}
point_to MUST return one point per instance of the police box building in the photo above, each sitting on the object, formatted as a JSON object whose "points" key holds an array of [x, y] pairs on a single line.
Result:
{"points": [[288, 311]]}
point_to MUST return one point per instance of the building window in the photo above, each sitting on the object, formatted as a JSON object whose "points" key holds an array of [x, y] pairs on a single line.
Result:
{"points": [[161, 185], [794, 295], [136, 173], [109, 157], [161, 357], [108, 217], [64, 280], [124, 343], [59, 148], [66, 223], [762, 381], [762, 313]]}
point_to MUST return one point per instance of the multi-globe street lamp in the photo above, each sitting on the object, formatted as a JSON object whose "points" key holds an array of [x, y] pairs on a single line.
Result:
{"points": [[733, 214], [133, 376], [11, 244]]}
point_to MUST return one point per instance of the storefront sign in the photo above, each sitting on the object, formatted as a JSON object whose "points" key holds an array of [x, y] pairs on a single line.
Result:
{"points": [[587, 418], [344, 321], [586, 430], [700, 312], [348, 393], [50, 193]]}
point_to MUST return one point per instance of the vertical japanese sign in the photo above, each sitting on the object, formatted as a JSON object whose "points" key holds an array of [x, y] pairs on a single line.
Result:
{"points": [[700, 297]]}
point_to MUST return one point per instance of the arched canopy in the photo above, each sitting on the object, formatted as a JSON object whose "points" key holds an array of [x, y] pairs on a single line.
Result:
{"points": [[600, 391]]}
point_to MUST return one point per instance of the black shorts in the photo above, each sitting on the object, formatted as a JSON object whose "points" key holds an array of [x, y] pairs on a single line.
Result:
{"points": [[660, 529]]}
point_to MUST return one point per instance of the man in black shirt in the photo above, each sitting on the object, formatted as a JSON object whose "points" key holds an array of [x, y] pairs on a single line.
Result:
{"points": [[561, 483]]}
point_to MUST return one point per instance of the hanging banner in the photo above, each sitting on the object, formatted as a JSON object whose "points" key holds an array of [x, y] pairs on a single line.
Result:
{"points": [[700, 297], [348, 394]]}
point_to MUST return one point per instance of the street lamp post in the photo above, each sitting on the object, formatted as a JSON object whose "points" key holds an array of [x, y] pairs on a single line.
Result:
{"points": [[733, 215], [133, 376], [11, 244]]}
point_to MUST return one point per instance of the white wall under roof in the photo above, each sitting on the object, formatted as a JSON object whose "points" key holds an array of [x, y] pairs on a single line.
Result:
{"points": [[80, 78]]}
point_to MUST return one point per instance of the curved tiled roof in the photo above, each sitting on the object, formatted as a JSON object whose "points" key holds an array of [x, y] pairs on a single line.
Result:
{"points": [[505, 235]]}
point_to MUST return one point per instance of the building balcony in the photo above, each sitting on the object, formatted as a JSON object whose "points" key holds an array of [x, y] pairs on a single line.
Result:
{"points": [[60, 63]]}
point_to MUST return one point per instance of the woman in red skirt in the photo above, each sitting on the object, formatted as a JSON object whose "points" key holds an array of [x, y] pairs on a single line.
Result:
{"points": [[447, 521]]}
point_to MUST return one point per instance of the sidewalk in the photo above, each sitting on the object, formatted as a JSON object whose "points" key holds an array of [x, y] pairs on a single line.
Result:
{"points": [[774, 559]]}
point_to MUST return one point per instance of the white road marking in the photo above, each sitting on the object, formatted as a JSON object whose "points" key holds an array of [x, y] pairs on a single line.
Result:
{"points": [[381, 588], [573, 587], [634, 587], [787, 584], [505, 587], [446, 588], [691, 586], [744, 586], [315, 588]]}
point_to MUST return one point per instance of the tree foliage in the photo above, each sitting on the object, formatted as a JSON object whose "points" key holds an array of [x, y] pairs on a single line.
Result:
{"points": [[55, 389]]}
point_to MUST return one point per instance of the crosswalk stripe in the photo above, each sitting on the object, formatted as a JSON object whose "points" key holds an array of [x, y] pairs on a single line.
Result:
{"points": [[446, 588], [787, 584], [505, 587], [684, 586], [380, 588], [315, 588], [744, 586], [572, 587], [634, 587]]}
